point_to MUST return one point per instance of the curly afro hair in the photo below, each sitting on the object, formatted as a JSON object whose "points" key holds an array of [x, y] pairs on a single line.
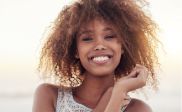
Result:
{"points": [[134, 24]]}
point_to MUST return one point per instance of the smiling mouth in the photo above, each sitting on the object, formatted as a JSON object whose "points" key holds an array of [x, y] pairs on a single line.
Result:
{"points": [[101, 59]]}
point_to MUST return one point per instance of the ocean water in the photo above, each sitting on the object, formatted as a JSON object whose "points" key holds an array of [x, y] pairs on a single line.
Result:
{"points": [[16, 93], [16, 104]]}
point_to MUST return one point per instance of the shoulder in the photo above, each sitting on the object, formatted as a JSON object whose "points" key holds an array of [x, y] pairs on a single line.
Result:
{"points": [[137, 105], [45, 97], [47, 90]]}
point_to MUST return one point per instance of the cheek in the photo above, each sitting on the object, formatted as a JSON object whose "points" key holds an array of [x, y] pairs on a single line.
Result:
{"points": [[119, 48], [81, 51], [119, 51], [79, 48], [119, 54]]}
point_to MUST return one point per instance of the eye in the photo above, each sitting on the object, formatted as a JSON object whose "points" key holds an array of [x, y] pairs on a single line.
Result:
{"points": [[87, 39], [109, 37]]}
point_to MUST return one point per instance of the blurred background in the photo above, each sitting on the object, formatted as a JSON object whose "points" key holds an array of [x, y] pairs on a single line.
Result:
{"points": [[22, 25]]}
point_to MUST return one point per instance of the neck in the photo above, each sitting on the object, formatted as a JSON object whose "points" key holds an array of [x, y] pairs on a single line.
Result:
{"points": [[98, 83], [92, 88]]}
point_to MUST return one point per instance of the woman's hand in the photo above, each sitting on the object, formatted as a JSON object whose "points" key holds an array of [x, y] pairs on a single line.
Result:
{"points": [[116, 97], [136, 79]]}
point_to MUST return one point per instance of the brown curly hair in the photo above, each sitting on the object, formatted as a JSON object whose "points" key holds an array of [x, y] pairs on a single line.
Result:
{"points": [[137, 29]]}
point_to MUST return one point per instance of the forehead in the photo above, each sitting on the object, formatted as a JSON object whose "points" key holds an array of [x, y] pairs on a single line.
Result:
{"points": [[95, 23]]}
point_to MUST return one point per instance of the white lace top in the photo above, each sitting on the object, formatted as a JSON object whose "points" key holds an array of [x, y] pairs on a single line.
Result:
{"points": [[66, 103]]}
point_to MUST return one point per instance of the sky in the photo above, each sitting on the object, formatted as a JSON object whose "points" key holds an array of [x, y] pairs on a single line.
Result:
{"points": [[23, 24]]}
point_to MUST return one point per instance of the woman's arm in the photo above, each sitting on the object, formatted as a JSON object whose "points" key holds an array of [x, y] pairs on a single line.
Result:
{"points": [[137, 105], [45, 98], [115, 99]]}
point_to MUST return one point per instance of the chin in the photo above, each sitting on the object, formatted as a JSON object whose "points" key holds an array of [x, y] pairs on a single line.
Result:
{"points": [[101, 73]]}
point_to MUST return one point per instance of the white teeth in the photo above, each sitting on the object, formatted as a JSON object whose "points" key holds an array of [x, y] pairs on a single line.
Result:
{"points": [[100, 58]]}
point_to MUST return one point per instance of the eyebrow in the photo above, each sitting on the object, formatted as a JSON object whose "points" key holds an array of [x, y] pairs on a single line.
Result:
{"points": [[107, 29], [85, 32], [91, 31]]}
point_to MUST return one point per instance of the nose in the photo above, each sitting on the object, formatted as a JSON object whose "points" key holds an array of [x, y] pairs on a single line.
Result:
{"points": [[100, 46]]}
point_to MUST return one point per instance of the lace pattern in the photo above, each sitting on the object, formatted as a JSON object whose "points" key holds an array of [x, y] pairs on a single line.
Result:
{"points": [[66, 103]]}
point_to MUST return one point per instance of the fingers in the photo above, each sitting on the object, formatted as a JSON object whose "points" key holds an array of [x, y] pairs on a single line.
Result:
{"points": [[143, 75], [137, 78], [139, 69], [140, 73], [143, 68], [133, 73]]}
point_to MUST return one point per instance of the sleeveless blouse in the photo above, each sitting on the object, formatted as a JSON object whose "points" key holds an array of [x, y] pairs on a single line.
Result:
{"points": [[66, 103]]}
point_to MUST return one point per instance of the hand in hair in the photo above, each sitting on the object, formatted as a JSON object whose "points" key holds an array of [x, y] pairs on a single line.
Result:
{"points": [[116, 97], [135, 80]]}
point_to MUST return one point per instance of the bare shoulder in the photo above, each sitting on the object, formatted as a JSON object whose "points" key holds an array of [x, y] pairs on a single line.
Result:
{"points": [[137, 105], [45, 97], [48, 90]]}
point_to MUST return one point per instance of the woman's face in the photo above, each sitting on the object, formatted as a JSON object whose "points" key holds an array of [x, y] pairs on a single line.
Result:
{"points": [[99, 47]]}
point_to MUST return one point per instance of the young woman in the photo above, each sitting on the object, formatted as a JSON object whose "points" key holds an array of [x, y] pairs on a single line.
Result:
{"points": [[98, 50]]}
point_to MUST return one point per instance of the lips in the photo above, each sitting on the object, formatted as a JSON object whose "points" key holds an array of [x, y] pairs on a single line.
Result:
{"points": [[100, 59]]}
